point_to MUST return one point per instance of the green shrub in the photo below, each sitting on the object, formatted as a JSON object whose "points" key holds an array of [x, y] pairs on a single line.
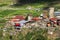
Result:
{"points": [[1, 5], [57, 39]]}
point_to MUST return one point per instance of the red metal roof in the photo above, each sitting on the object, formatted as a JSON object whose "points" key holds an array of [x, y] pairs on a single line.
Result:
{"points": [[17, 18], [53, 19], [36, 18]]}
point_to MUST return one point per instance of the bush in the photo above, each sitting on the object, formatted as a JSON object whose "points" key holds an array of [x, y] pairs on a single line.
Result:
{"points": [[57, 39]]}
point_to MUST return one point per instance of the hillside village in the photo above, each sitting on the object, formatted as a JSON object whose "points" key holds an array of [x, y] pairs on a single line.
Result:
{"points": [[29, 22]]}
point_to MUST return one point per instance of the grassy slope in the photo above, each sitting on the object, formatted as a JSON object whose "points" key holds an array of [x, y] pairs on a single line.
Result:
{"points": [[6, 13], [5, 1]]}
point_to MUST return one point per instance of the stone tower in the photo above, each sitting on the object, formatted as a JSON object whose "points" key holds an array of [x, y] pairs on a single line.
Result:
{"points": [[51, 12]]}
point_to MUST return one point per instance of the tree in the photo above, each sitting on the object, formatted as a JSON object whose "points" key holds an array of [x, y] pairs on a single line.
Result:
{"points": [[35, 1]]}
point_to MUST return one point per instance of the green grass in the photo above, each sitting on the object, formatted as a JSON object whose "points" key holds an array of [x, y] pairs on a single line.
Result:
{"points": [[1, 5], [31, 35], [7, 13], [6, 1], [34, 5]]}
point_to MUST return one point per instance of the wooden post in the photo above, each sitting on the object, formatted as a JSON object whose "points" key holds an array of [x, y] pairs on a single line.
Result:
{"points": [[51, 12]]}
